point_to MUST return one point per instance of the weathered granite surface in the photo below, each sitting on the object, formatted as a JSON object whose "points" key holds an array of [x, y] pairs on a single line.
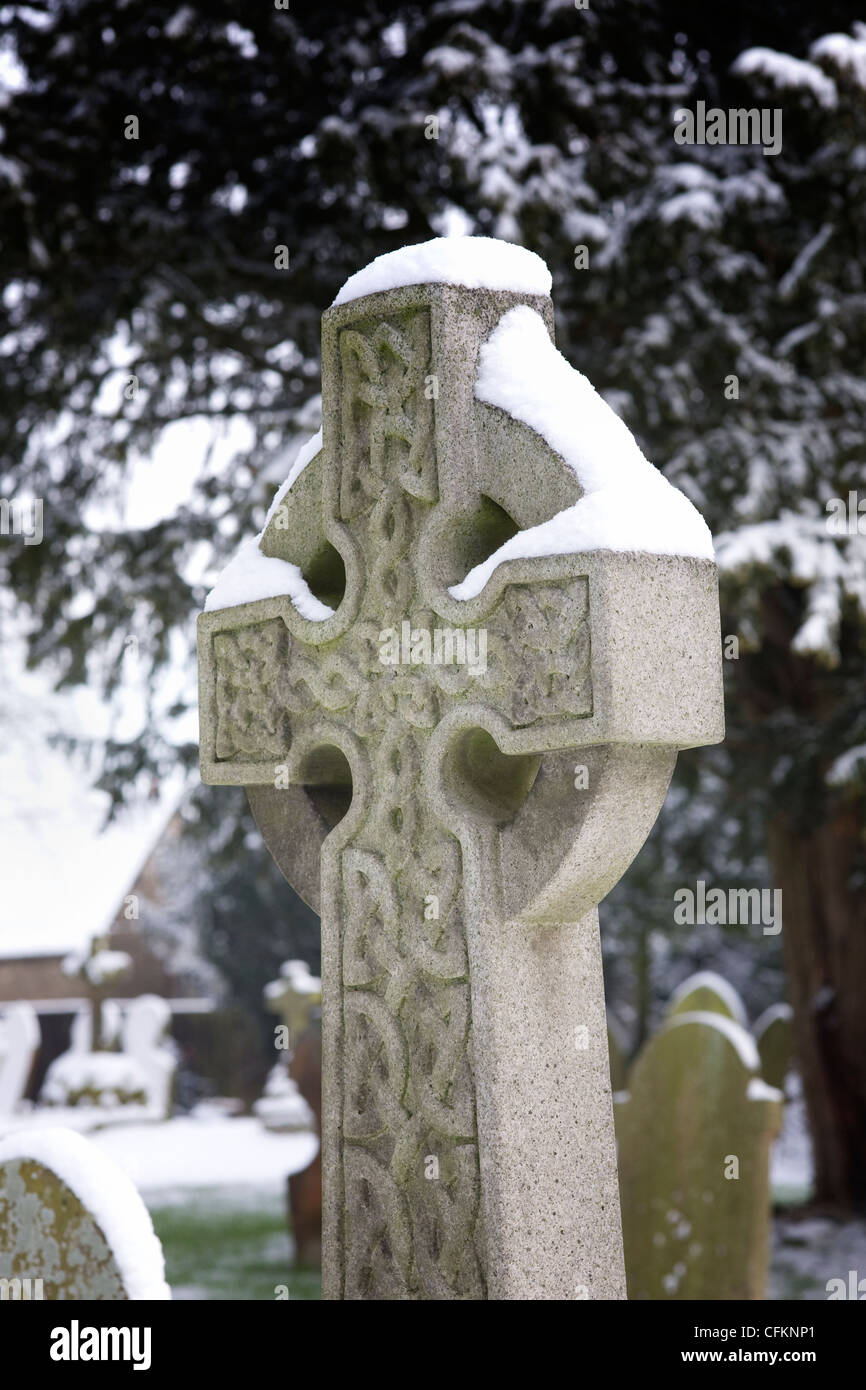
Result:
{"points": [[432, 815]]}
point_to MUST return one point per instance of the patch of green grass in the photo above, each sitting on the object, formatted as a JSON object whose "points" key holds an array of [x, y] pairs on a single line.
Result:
{"points": [[222, 1246], [791, 1195]]}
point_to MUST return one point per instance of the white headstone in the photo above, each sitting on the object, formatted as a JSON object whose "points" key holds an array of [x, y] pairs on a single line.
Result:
{"points": [[19, 1043]]}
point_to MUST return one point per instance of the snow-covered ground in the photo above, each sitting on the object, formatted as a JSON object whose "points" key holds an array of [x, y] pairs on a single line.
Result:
{"points": [[791, 1156], [806, 1254], [205, 1151]]}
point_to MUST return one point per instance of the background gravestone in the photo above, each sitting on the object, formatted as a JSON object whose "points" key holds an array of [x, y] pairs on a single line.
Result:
{"points": [[468, 1144], [707, 992], [294, 996], [694, 1137], [72, 1219], [297, 996], [774, 1034], [19, 1044]]}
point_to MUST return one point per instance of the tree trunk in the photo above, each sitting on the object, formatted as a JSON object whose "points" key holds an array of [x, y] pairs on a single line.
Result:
{"points": [[824, 936]]}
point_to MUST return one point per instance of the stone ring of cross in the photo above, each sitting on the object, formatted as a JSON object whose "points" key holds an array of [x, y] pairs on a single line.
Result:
{"points": [[454, 672]]}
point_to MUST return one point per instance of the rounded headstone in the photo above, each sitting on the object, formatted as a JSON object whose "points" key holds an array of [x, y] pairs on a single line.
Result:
{"points": [[707, 992], [72, 1225], [694, 1138], [774, 1034]]}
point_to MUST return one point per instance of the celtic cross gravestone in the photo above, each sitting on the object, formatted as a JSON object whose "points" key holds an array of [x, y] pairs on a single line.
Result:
{"points": [[454, 677]]}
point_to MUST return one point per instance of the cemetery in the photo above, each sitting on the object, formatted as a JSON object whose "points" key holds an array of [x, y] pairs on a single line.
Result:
{"points": [[432, 807]]}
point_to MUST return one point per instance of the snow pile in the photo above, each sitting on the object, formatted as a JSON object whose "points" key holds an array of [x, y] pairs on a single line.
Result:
{"points": [[107, 1193], [848, 768], [475, 262], [189, 1151], [698, 206], [297, 974], [801, 550], [844, 52], [100, 967], [109, 1080], [690, 192], [788, 73], [106, 966], [282, 1109], [250, 575], [627, 504]]}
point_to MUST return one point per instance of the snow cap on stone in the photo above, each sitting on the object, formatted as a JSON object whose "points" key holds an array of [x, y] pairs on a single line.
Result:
{"points": [[475, 262]]}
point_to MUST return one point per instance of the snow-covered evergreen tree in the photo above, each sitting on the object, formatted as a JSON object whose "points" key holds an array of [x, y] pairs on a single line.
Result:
{"points": [[714, 294]]}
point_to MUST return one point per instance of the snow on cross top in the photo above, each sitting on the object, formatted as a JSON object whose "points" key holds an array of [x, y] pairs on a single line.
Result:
{"points": [[627, 504], [475, 262], [250, 575]]}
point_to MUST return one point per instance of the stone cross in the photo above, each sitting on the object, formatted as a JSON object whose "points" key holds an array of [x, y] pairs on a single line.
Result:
{"points": [[99, 969], [455, 824], [294, 996]]}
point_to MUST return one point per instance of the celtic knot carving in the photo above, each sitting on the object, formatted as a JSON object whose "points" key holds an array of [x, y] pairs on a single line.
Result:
{"points": [[408, 1160], [251, 717]]}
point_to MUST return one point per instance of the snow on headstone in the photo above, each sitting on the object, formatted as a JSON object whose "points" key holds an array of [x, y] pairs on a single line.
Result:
{"points": [[774, 1034], [294, 996], [482, 583], [707, 992], [144, 1039], [72, 1223], [139, 1075], [478, 262], [694, 1135]]}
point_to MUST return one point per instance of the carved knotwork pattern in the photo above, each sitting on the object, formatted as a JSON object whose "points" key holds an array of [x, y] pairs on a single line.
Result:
{"points": [[410, 1171], [251, 717]]}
